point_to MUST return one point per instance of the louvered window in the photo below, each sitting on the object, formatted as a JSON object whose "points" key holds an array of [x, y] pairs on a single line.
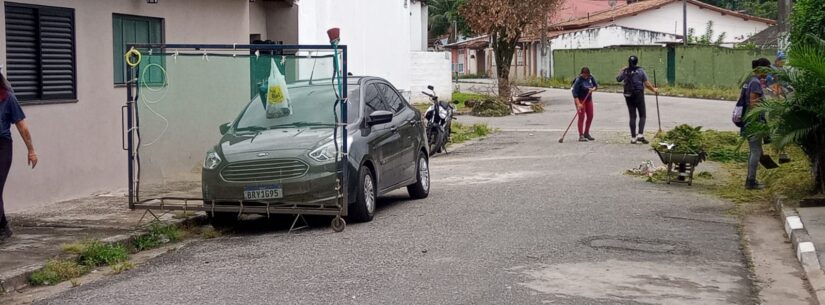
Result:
{"points": [[40, 52]]}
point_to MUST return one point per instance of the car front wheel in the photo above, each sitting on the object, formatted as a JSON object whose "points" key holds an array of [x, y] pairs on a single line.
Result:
{"points": [[364, 208], [421, 188]]}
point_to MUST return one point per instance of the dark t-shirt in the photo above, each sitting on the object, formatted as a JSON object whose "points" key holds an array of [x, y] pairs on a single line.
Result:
{"points": [[755, 86], [637, 78], [582, 86], [10, 113]]}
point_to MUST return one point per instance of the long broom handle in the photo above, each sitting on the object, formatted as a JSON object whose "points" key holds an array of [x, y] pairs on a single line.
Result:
{"points": [[658, 115], [574, 116]]}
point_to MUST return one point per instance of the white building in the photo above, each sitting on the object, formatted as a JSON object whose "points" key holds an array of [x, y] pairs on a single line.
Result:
{"points": [[74, 111]]}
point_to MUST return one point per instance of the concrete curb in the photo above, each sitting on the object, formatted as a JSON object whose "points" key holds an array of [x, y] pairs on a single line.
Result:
{"points": [[804, 249], [20, 278]]}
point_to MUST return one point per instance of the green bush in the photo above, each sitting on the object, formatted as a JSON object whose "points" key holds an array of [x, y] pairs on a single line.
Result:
{"points": [[56, 271], [97, 253], [158, 234], [491, 107]]}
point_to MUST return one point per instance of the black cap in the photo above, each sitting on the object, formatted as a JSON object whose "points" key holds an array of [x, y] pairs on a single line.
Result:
{"points": [[633, 61]]}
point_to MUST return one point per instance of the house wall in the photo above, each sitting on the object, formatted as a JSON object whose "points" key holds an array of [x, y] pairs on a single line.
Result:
{"points": [[668, 19], [79, 144], [378, 43], [281, 22], [257, 19], [604, 37], [430, 68]]}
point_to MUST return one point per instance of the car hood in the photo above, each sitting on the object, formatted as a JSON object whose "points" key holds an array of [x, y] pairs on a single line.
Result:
{"points": [[275, 140]]}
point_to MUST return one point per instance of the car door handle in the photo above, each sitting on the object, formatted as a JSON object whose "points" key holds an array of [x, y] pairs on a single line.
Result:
{"points": [[394, 129], [413, 122]]}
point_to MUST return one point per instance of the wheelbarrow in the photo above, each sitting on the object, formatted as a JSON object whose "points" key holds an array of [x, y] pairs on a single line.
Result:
{"points": [[680, 165]]}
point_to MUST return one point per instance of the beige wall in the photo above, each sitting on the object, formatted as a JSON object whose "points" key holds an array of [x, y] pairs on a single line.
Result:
{"points": [[257, 18], [282, 22], [79, 144]]}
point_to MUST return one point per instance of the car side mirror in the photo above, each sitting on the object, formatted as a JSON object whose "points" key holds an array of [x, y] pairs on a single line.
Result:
{"points": [[224, 128], [430, 87], [379, 117]]}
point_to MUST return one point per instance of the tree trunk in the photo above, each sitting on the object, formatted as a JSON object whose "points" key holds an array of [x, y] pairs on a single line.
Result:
{"points": [[504, 48]]}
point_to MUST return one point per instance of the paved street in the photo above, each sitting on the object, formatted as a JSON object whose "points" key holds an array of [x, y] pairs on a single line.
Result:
{"points": [[514, 219]]}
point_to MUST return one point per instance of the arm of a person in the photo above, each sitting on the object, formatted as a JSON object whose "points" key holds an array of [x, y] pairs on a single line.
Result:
{"points": [[647, 83], [621, 75], [754, 100], [595, 84], [27, 138]]}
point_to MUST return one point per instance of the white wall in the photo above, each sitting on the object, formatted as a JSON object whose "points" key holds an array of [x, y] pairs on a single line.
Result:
{"points": [[79, 144], [430, 68], [418, 26], [668, 19], [281, 22], [376, 32], [612, 35]]}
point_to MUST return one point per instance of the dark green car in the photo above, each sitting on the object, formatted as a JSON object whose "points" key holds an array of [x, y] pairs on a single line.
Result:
{"points": [[292, 159]]}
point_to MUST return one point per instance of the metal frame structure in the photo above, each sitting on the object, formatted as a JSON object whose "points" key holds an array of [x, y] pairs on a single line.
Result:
{"points": [[132, 125]]}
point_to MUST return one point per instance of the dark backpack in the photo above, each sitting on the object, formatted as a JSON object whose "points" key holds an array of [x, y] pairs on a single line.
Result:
{"points": [[628, 82], [738, 115]]}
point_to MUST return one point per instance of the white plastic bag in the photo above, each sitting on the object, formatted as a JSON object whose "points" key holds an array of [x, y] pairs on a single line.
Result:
{"points": [[277, 94]]}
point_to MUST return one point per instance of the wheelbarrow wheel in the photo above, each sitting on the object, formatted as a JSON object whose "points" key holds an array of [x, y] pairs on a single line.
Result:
{"points": [[338, 224]]}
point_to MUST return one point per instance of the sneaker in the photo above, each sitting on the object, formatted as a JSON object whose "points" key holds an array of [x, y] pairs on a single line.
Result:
{"points": [[753, 185], [642, 140], [632, 140], [582, 139], [5, 233], [588, 137]]}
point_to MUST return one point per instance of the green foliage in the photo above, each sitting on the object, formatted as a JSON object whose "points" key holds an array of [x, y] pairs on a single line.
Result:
{"points": [[725, 146], [461, 133], [460, 98], [97, 253], [708, 37], [158, 234], [760, 8], [685, 139], [444, 17], [491, 107], [807, 18], [56, 271], [800, 119]]}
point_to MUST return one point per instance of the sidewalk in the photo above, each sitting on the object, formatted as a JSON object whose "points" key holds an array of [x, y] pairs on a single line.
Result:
{"points": [[805, 227], [39, 234]]}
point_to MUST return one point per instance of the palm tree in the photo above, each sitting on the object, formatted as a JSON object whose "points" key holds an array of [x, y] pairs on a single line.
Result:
{"points": [[801, 118], [445, 19]]}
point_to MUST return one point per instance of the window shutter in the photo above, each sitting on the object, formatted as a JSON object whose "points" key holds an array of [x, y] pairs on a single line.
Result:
{"points": [[57, 51], [23, 69]]}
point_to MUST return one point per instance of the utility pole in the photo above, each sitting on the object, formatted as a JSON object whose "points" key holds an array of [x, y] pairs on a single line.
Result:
{"points": [[684, 22]]}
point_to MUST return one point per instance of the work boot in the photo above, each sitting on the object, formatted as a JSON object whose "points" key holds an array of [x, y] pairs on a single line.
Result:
{"points": [[5, 232], [642, 140], [582, 139], [753, 185], [588, 137]]}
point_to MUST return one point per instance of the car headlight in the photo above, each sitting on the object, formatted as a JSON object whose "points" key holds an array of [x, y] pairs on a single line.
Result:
{"points": [[212, 160], [327, 152]]}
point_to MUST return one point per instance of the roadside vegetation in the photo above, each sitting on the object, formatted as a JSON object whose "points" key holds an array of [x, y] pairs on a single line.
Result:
{"points": [[462, 133], [83, 256], [792, 180]]}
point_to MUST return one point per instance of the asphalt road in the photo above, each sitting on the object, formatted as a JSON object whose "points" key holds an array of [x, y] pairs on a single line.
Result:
{"points": [[517, 218]]}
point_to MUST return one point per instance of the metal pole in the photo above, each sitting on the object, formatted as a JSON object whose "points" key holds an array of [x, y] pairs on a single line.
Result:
{"points": [[684, 22], [129, 102], [345, 157]]}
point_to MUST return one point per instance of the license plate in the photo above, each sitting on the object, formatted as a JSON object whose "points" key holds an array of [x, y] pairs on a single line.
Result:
{"points": [[263, 192]]}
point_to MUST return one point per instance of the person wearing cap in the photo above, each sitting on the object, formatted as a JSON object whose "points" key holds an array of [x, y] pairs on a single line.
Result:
{"points": [[635, 80], [10, 113], [772, 81]]}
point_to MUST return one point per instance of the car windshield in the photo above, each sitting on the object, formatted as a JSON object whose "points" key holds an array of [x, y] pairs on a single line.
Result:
{"points": [[309, 106]]}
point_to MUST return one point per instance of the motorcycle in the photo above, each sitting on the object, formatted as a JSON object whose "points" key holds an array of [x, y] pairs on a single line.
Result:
{"points": [[439, 122]]}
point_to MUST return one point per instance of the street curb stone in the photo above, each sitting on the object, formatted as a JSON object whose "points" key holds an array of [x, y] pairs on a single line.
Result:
{"points": [[20, 279], [803, 248]]}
